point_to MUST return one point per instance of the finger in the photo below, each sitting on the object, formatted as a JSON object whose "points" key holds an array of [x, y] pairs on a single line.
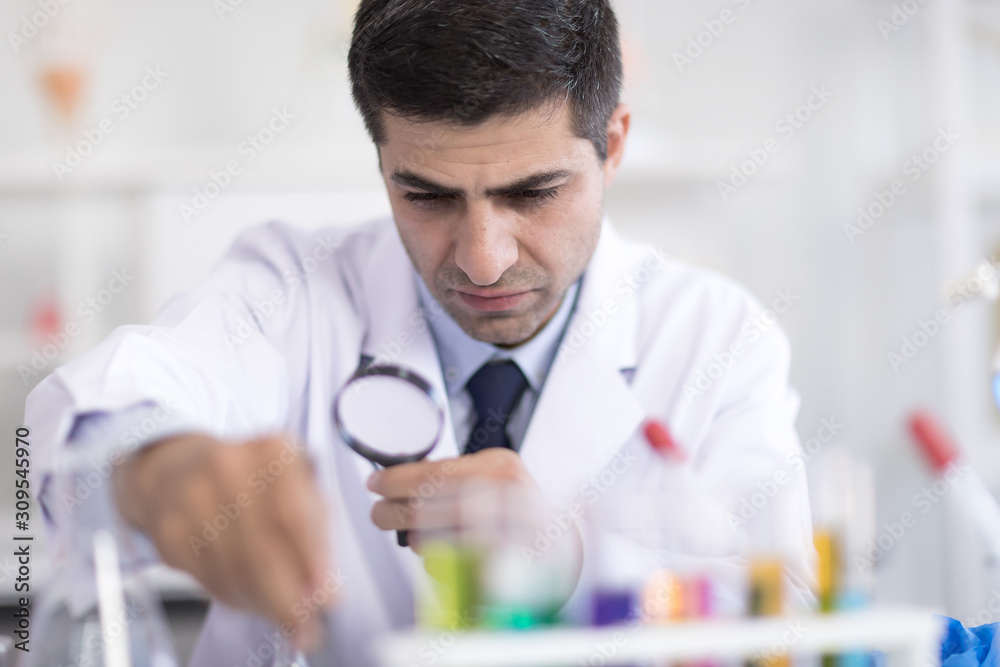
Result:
{"points": [[201, 546], [447, 476], [179, 551], [234, 555], [422, 478], [430, 515], [277, 583]]}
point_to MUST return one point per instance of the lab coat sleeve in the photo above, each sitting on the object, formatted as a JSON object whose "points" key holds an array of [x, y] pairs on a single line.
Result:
{"points": [[87, 497], [223, 359]]}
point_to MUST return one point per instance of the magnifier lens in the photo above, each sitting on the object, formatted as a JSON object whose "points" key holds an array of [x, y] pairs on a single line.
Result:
{"points": [[390, 415]]}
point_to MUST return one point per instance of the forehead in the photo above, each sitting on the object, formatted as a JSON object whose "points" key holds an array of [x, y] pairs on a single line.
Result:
{"points": [[543, 133]]}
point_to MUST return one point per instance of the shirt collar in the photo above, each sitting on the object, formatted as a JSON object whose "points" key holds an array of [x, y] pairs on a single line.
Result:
{"points": [[461, 355]]}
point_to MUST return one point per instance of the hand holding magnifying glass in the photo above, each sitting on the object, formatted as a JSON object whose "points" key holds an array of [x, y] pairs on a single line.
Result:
{"points": [[389, 415]]}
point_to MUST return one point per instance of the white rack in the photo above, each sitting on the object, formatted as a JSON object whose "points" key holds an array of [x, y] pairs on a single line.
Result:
{"points": [[910, 638]]}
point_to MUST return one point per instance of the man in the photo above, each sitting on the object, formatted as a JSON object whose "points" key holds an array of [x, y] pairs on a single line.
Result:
{"points": [[499, 127]]}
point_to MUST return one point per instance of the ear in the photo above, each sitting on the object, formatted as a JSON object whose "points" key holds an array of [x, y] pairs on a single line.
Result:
{"points": [[618, 126]]}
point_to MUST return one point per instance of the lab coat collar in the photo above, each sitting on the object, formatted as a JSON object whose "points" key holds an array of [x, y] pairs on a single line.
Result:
{"points": [[398, 331], [586, 411]]}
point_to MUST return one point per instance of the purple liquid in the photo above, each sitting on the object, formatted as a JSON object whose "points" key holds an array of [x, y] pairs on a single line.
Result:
{"points": [[610, 607]]}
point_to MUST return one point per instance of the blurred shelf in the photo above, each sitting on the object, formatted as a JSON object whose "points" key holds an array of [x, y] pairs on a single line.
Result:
{"points": [[649, 159], [909, 636], [168, 583], [171, 584], [181, 170]]}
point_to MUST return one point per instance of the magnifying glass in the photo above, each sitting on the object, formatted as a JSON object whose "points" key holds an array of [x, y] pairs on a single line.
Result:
{"points": [[389, 415]]}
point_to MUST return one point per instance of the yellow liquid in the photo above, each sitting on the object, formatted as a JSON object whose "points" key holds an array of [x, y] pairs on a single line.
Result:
{"points": [[457, 594], [767, 599]]}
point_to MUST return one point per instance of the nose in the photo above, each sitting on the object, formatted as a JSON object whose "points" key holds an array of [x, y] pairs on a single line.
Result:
{"points": [[486, 246]]}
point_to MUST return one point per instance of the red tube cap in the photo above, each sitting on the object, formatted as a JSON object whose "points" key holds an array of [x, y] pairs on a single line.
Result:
{"points": [[660, 439], [936, 445]]}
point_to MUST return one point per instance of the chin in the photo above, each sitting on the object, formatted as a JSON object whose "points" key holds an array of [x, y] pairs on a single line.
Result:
{"points": [[498, 331]]}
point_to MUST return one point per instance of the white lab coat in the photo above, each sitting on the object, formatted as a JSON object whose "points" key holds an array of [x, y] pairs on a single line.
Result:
{"points": [[643, 330]]}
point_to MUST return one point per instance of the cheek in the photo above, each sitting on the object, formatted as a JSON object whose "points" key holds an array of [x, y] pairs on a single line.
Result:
{"points": [[427, 245]]}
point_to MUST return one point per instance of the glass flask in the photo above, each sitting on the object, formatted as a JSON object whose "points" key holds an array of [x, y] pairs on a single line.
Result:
{"points": [[96, 608]]}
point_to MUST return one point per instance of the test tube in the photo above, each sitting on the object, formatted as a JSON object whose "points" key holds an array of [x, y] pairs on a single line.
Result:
{"points": [[766, 576], [663, 598], [844, 521], [453, 562], [528, 557]]}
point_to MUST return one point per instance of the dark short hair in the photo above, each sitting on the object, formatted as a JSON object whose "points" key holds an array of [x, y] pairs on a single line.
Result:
{"points": [[465, 61]]}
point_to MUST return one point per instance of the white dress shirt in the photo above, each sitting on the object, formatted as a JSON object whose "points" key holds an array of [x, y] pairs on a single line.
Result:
{"points": [[461, 356]]}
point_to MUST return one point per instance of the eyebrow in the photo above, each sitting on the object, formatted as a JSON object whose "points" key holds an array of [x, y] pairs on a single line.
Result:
{"points": [[534, 181]]}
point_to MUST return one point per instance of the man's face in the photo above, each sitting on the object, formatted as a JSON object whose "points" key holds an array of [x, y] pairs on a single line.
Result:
{"points": [[499, 219]]}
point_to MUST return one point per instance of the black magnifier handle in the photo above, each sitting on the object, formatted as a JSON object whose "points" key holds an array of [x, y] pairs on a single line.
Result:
{"points": [[402, 537]]}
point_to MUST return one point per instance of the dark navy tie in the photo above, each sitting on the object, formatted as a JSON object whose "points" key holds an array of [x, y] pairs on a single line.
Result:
{"points": [[495, 388]]}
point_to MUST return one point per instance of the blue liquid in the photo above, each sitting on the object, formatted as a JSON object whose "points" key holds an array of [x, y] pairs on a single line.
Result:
{"points": [[610, 607], [850, 601]]}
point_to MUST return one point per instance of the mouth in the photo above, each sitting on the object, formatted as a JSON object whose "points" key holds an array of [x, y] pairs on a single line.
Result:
{"points": [[492, 303]]}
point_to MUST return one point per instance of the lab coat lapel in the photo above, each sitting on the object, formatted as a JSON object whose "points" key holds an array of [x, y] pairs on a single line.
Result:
{"points": [[587, 411], [398, 333]]}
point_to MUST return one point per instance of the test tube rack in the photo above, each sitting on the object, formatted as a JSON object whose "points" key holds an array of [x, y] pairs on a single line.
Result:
{"points": [[909, 638]]}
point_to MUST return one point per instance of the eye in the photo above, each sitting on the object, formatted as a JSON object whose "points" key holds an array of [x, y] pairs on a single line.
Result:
{"points": [[535, 197], [425, 199]]}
